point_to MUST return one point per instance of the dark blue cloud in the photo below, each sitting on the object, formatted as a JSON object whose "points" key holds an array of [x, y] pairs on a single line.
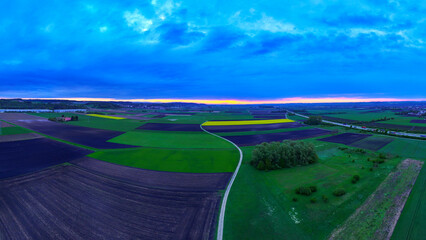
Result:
{"points": [[193, 49]]}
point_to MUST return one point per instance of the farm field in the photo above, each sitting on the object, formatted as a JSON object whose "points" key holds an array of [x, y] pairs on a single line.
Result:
{"points": [[96, 122], [173, 160], [275, 213], [169, 165], [91, 137], [25, 156], [107, 207], [168, 139]]}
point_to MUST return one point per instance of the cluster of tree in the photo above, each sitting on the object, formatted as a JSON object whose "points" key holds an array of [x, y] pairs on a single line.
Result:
{"points": [[314, 120], [287, 154]]}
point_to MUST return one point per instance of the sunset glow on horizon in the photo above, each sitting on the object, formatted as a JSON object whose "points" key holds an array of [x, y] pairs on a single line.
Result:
{"points": [[243, 102]]}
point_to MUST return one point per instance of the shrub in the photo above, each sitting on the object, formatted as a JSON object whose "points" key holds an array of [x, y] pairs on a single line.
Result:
{"points": [[356, 177], [294, 199], [371, 169], [382, 156], [379, 161], [313, 200], [313, 188], [303, 191], [261, 166], [324, 198], [339, 192]]}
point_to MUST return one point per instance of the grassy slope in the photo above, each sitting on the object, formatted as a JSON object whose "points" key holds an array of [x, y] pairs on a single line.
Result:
{"points": [[411, 222], [168, 139], [176, 160], [261, 206], [96, 122]]}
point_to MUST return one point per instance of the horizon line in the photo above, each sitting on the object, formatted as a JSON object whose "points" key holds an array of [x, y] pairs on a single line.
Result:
{"points": [[239, 101]]}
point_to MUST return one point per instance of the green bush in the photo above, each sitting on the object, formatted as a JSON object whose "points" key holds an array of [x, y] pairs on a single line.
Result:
{"points": [[313, 200], [324, 198], [294, 199], [339, 192], [303, 191], [356, 177], [313, 188]]}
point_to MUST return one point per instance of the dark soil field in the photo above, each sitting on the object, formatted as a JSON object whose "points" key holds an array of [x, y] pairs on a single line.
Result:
{"points": [[68, 202], [372, 143], [170, 127], [418, 121], [157, 179], [96, 138], [345, 138], [251, 140], [19, 157], [254, 127]]}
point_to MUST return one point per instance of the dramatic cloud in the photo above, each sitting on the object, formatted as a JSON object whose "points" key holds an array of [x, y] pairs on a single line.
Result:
{"points": [[212, 49]]}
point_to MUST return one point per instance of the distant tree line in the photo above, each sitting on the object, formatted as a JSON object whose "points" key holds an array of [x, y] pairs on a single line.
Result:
{"points": [[286, 154], [36, 104], [314, 120]]}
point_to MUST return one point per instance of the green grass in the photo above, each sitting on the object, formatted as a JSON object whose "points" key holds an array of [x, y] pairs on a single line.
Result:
{"points": [[411, 222], [96, 122], [404, 121], [408, 148], [260, 205], [168, 139], [13, 130], [173, 160]]}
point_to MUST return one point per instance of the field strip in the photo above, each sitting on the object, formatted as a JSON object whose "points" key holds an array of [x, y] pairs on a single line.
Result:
{"points": [[246, 122], [105, 116], [228, 188], [383, 207]]}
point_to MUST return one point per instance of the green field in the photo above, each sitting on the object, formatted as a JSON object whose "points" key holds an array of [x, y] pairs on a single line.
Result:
{"points": [[260, 205], [96, 122], [174, 160], [13, 130], [200, 118], [411, 222], [168, 139]]}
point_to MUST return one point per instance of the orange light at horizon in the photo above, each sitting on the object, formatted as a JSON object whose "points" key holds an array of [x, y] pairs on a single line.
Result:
{"points": [[243, 102]]}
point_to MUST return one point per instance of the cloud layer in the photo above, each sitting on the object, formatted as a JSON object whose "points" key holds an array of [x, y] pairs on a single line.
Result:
{"points": [[214, 49]]}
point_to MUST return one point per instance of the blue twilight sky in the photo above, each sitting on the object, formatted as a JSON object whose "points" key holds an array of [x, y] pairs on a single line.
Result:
{"points": [[262, 49]]}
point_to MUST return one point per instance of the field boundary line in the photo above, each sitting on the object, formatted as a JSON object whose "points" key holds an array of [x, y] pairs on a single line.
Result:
{"points": [[228, 188]]}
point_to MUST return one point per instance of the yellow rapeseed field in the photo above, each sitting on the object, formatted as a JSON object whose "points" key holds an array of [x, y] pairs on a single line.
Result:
{"points": [[105, 116], [246, 122]]}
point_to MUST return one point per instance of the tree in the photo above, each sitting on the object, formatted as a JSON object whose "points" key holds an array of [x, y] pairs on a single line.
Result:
{"points": [[314, 120]]}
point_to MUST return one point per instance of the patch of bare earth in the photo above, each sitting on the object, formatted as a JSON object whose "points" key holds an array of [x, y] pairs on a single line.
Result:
{"points": [[377, 217]]}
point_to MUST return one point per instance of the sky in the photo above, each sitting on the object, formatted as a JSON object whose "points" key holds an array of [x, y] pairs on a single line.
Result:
{"points": [[245, 50]]}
